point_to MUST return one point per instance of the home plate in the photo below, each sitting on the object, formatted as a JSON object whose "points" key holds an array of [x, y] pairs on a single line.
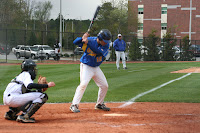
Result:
{"points": [[114, 114]]}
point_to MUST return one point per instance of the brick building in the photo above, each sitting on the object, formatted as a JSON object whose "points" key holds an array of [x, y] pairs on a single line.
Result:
{"points": [[163, 15]]}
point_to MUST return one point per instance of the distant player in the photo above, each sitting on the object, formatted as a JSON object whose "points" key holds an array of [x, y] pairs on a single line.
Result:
{"points": [[19, 97], [95, 50], [57, 47], [120, 46]]}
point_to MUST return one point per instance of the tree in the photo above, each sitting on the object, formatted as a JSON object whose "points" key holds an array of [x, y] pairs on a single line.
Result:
{"points": [[151, 43], [132, 20], [18, 13], [29, 9], [186, 55], [11, 13], [42, 11], [121, 15], [113, 17], [169, 43], [51, 40], [104, 17], [33, 39], [134, 50]]}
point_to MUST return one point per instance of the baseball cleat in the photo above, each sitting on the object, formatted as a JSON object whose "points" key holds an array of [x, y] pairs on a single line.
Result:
{"points": [[102, 107], [12, 113], [74, 108], [10, 116], [21, 118]]}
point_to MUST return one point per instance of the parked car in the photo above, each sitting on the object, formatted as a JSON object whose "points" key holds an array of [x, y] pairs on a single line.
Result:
{"points": [[143, 49], [177, 50], [195, 49], [35, 53], [49, 52], [20, 52], [15, 49], [4, 49], [78, 51], [29, 52], [177, 53]]}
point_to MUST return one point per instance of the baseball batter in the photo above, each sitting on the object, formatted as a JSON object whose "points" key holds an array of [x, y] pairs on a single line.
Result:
{"points": [[19, 97], [95, 50]]}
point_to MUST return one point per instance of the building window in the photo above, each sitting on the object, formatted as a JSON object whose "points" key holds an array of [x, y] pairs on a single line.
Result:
{"points": [[140, 10], [140, 26], [164, 26], [164, 10]]}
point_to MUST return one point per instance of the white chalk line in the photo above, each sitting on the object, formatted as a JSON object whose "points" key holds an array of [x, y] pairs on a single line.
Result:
{"points": [[131, 101], [143, 124], [137, 70]]}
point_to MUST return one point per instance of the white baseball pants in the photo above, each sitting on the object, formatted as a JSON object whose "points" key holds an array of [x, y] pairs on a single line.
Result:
{"points": [[18, 100], [86, 73], [120, 54]]}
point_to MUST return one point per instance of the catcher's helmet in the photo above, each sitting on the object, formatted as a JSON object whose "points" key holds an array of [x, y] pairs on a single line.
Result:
{"points": [[104, 35], [30, 66]]}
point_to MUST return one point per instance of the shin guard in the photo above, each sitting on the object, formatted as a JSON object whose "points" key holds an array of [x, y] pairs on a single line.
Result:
{"points": [[32, 109]]}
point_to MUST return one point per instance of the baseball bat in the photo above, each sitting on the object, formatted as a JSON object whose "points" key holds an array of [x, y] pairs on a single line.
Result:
{"points": [[95, 15]]}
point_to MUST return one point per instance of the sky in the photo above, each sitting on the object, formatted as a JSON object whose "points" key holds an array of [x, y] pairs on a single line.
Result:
{"points": [[74, 9]]}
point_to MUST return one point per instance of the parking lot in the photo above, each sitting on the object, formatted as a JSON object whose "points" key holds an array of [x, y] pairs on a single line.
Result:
{"points": [[12, 56]]}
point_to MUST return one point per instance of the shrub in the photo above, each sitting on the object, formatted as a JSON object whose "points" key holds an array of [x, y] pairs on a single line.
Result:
{"points": [[134, 50], [151, 44], [169, 43], [186, 55]]}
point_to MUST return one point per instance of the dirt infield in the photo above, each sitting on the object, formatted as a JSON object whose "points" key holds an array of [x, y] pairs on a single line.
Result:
{"points": [[189, 70], [135, 118]]}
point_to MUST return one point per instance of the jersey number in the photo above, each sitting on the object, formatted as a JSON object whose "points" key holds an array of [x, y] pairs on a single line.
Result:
{"points": [[99, 58]]}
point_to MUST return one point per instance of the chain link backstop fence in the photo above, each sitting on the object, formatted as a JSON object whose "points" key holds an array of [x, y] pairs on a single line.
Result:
{"points": [[11, 38]]}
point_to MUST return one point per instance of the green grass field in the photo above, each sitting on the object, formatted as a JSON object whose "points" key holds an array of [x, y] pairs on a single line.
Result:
{"points": [[123, 84]]}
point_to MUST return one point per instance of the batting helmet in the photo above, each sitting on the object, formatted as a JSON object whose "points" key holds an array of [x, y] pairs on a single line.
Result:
{"points": [[30, 66], [104, 35]]}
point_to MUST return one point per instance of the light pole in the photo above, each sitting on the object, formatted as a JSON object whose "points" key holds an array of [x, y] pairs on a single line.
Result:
{"points": [[60, 40], [63, 26], [72, 26], [63, 18], [190, 25]]}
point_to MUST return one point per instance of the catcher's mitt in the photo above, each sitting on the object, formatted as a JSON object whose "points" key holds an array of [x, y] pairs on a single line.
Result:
{"points": [[42, 80]]}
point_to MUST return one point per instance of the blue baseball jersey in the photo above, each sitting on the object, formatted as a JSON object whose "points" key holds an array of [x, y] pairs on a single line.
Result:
{"points": [[119, 45], [94, 53]]}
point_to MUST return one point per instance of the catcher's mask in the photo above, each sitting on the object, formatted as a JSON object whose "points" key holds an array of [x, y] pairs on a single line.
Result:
{"points": [[104, 35], [30, 66]]}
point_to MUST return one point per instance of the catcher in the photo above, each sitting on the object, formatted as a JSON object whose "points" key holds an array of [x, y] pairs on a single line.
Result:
{"points": [[20, 96]]}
